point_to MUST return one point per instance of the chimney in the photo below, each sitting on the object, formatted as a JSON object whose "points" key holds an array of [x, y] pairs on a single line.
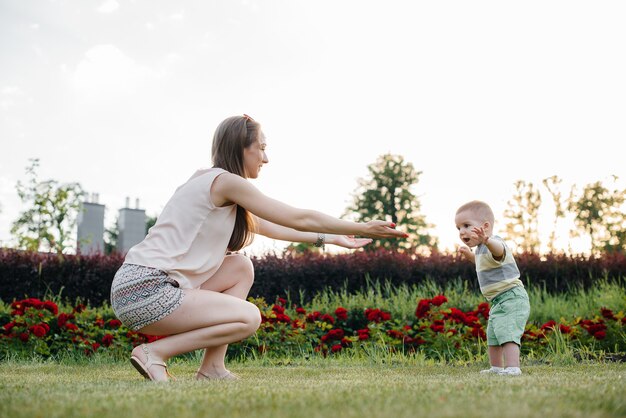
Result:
{"points": [[90, 236], [131, 225]]}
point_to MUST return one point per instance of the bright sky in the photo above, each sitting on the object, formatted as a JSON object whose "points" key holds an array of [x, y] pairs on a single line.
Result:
{"points": [[123, 96]]}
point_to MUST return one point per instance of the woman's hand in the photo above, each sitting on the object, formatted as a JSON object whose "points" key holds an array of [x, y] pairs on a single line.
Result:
{"points": [[382, 229], [347, 241]]}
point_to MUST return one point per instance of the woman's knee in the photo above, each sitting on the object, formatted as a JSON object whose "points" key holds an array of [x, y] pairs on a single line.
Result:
{"points": [[244, 268], [252, 317]]}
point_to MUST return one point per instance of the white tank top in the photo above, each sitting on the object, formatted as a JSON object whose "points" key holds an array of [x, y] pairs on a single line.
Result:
{"points": [[191, 235]]}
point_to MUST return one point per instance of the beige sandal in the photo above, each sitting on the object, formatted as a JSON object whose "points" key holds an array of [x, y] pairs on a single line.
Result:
{"points": [[143, 368], [228, 376]]}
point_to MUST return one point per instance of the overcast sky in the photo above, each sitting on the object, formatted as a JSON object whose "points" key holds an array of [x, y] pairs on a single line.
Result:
{"points": [[123, 96]]}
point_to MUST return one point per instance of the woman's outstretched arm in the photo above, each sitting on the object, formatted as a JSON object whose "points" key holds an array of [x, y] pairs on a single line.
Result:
{"points": [[275, 231], [230, 188]]}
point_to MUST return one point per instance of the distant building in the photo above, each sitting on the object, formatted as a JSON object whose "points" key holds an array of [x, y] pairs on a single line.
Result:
{"points": [[131, 225], [91, 227]]}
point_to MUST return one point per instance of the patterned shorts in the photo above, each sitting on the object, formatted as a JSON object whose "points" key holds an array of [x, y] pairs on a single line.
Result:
{"points": [[143, 295]]}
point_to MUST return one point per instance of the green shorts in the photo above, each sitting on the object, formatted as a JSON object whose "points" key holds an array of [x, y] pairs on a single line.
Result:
{"points": [[507, 317]]}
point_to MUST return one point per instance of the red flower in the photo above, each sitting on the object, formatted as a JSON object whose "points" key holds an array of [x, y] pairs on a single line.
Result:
{"points": [[63, 318], [23, 336], [335, 348], [38, 331], [335, 334], [282, 318], [341, 313], [71, 327], [312, 317], [479, 333], [564, 329], [281, 301], [99, 323], [8, 327], [114, 323], [376, 315], [107, 340], [471, 320], [483, 309], [278, 309], [439, 300], [550, 325], [395, 334], [596, 328], [327, 318], [437, 327], [79, 308], [51, 306], [423, 306], [600, 335], [363, 334], [301, 311], [608, 314]]}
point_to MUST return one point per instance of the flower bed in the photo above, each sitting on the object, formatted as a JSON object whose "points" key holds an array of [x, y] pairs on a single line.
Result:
{"points": [[436, 330]]}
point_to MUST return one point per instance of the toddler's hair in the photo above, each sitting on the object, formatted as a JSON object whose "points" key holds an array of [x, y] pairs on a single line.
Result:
{"points": [[481, 209]]}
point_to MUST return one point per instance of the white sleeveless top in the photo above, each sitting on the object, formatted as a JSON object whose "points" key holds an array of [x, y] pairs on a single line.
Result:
{"points": [[191, 235]]}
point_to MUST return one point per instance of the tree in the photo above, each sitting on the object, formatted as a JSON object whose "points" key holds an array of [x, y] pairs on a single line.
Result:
{"points": [[599, 212], [49, 223], [522, 218], [110, 238], [553, 185], [150, 221], [386, 194], [299, 248]]}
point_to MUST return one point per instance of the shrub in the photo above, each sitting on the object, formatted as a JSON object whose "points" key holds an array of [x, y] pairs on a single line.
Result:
{"points": [[28, 274]]}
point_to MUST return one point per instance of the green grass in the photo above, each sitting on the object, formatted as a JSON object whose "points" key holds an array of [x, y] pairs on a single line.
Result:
{"points": [[394, 387], [402, 299]]}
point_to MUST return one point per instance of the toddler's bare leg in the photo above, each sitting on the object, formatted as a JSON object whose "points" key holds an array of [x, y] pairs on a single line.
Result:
{"points": [[495, 356], [511, 354]]}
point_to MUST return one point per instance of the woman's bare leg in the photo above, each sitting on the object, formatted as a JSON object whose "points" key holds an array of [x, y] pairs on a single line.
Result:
{"points": [[204, 319], [234, 277]]}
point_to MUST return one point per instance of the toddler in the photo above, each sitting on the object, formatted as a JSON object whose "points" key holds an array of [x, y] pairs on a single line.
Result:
{"points": [[499, 280]]}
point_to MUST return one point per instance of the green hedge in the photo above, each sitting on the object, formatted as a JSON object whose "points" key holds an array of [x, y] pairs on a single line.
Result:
{"points": [[27, 274]]}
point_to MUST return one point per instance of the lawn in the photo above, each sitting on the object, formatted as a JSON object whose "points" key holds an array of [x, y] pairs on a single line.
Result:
{"points": [[340, 387]]}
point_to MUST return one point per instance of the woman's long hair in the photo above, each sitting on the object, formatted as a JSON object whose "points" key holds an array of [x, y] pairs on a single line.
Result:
{"points": [[231, 137]]}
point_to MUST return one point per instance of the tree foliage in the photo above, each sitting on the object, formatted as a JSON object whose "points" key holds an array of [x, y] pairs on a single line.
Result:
{"points": [[386, 194], [48, 223], [553, 185], [599, 212], [522, 217]]}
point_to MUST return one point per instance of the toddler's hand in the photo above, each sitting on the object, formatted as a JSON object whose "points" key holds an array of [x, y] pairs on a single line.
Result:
{"points": [[480, 233], [465, 252]]}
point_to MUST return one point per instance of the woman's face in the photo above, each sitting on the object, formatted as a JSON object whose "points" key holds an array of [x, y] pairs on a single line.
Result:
{"points": [[254, 157]]}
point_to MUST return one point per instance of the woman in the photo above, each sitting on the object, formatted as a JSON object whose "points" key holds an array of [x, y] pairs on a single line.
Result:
{"points": [[183, 280]]}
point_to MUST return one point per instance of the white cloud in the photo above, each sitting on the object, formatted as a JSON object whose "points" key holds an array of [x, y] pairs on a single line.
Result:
{"points": [[11, 91], [8, 96], [107, 73], [108, 6], [9, 210], [178, 16]]}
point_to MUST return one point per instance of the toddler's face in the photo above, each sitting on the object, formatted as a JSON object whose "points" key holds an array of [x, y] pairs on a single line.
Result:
{"points": [[465, 222]]}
